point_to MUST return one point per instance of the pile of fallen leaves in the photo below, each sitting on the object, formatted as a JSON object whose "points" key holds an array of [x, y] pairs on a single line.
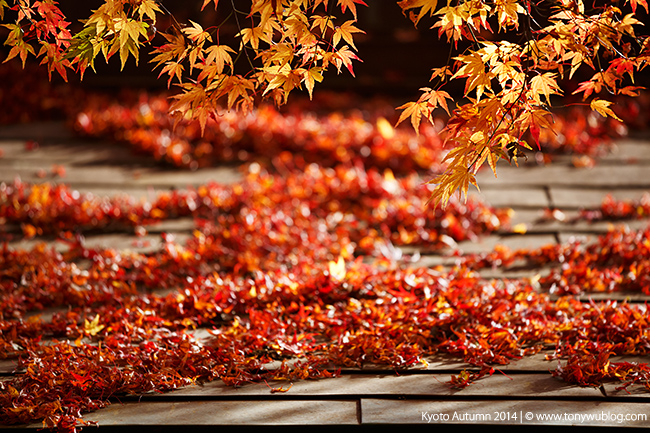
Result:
{"points": [[367, 136], [128, 323], [330, 138], [366, 206]]}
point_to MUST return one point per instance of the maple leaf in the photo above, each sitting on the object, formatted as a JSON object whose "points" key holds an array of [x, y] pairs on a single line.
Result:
{"points": [[589, 87], [82, 381], [623, 66], [625, 25], [474, 70], [173, 69], [577, 59], [196, 33], [343, 57], [21, 50], [424, 5], [149, 8], [534, 120], [283, 77], [452, 22], [544, 85], [207, 2], [92, 327], [436, 98], [55, 60], [415, 110], [279, 54], [323, 22], [424, 107], [240, 92], [219, 56], [457, 179], [345, 31], [350, 4], [632, 91], [634, 4], [507, 11], [602, 107], [310, 77], [194, 102], [443, 73], [490, 110], [175, 49], [252, 36]]}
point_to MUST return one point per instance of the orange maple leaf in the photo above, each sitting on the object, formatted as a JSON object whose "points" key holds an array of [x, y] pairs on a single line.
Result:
{"points": [[424, 5], [602, 107], [350, 4]]}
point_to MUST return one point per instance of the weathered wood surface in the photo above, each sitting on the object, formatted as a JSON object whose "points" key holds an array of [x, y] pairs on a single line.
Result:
{"points": [[368, 396]]}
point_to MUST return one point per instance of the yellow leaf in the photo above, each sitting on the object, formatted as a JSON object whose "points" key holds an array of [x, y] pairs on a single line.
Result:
{"points": [[93, 327], [546, 85], [252, 36], [219, 55], [173, 69], [310, 77], [148, 8], [322, 22], [602, 106], [520, 228], [436, 98], [474, 70], [196, 33], [414, 110], [345, 31], [385, 129], [337, 269]]}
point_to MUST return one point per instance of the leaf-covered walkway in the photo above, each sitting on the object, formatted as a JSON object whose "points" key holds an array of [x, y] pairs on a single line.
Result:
{"points": [[522, 393]]}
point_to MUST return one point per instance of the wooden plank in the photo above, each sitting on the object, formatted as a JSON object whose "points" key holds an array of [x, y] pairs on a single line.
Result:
{"points": [[73, 152], [524, 386], [628, 150], [600, 176], [514, 242], [46, 130], [7, 366], [251, 412], [513, 197], [567, 197], [527, 413], [113, 176]]}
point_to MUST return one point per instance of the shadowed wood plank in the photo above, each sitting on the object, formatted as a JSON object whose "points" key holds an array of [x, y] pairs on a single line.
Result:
{"points": [[114, 176], [413, 385], [7, 366], [227, 413], [600, 176]]}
